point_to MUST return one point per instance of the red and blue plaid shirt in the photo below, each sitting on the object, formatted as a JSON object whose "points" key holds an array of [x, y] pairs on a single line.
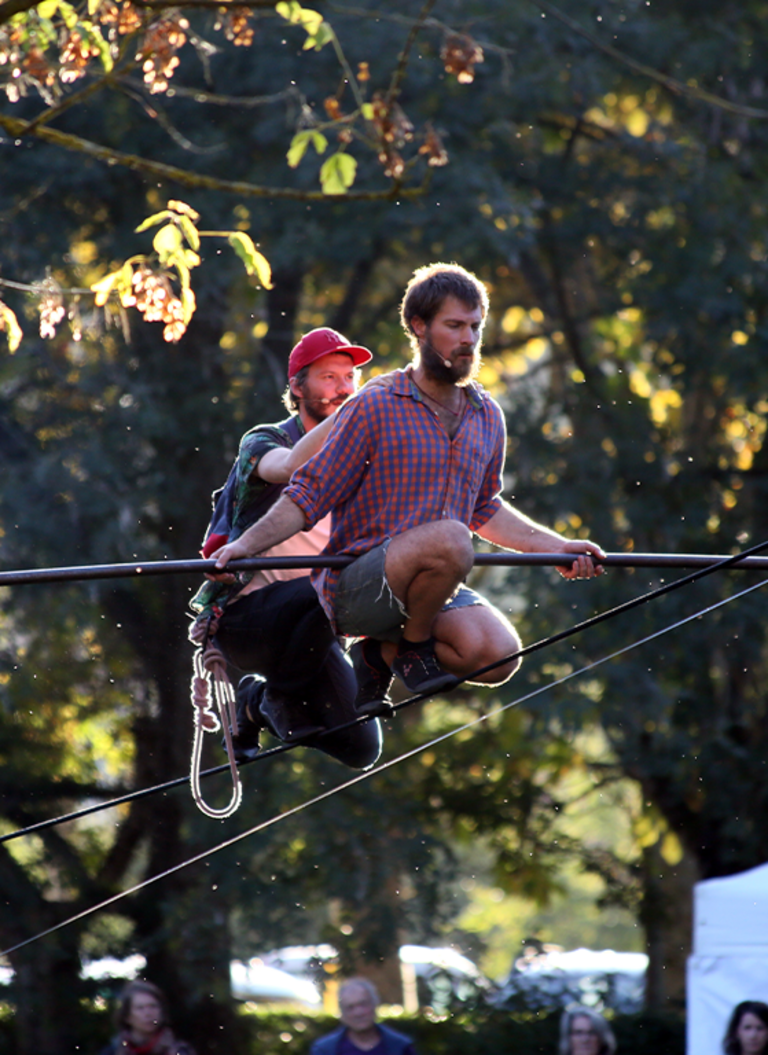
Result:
{"points": [[388, 465]]}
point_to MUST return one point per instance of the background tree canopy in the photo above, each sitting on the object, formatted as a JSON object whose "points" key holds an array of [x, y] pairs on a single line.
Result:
{"points": [[604, 176]]}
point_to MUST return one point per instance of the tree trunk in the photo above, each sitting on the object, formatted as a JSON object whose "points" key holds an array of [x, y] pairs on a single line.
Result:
{"points": [[667, 916]]}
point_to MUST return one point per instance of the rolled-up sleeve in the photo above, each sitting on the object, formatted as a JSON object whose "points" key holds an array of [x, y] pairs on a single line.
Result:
{"points": [[332, 475], [489, 496]]}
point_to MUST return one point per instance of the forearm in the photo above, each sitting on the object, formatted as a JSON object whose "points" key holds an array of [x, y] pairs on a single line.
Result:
{"points": [[278, 465], [282, 521], [513, 530]]}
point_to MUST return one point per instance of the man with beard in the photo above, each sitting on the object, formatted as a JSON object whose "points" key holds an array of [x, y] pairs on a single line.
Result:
{"points": [[270, 621], [410, 470]]}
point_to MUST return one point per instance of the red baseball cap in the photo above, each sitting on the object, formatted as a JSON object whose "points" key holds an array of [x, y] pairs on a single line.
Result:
{"points": [[317, 343]]}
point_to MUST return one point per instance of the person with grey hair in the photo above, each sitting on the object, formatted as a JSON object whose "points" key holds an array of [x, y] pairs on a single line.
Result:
{"points": [[585, 1032], [142, 1022], [359, 1030]]}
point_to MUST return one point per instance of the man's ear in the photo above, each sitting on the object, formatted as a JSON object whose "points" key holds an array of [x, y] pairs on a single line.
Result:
{"points": [[295, 388], [418, 326]]}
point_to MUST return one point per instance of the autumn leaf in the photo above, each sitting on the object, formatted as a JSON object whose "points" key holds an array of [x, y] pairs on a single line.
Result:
{"points": [[10, 324], [255, 262]]}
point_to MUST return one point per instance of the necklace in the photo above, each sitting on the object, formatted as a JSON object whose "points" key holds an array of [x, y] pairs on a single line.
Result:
{"points": [[456, 413]]}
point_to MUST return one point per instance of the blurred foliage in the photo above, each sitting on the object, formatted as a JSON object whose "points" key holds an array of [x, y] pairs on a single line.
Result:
{"points": [[621, 230]]}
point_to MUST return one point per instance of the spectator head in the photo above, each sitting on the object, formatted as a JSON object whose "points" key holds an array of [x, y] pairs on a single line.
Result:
{"points": [[142, 1005], [747, 1032], [585, 1032], [358, 1001]]}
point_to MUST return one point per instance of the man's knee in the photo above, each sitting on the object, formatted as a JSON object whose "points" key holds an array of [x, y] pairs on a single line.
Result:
{"points": [[442, 544], [477, 637]]}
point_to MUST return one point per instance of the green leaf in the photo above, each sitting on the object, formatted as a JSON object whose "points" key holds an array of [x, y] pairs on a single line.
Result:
{"points": [[298, 148], [190, 231], [255, 262], [367, 111], [152, 220], [182, 270], [338, 173], [319, 142], [167, 242], [10, 324], [301, 141], [317, 40], [94, 35], [289, 11], [48, 8], [188, 303], [68, 14]]}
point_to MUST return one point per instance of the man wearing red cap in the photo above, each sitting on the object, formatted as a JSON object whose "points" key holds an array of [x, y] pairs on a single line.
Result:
{"points": [[271, 621], [411, 470]]}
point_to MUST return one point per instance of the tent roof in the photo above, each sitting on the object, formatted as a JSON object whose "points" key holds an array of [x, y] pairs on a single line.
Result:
{"points": [[730, 915]]}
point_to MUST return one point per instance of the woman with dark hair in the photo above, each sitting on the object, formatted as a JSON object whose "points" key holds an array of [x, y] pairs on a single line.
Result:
{"points": [[747, 1032], [142, 1022], [585, 1032]]}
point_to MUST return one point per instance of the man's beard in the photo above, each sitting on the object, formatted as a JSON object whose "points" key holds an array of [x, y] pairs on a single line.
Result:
{"points": [[459, 374], [317, 410]]}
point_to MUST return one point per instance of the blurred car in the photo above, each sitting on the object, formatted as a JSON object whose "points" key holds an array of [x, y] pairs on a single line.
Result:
{"points": [[442, 976], [552, 978], [259, 982]]}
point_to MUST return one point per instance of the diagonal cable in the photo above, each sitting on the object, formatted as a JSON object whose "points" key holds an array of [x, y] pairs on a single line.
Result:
{"points": [[225, 844], [526, 650]]}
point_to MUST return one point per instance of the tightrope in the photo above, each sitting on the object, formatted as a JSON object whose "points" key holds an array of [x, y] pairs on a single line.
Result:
{"points": [[225, 844], [136, 569], [719, 564]]}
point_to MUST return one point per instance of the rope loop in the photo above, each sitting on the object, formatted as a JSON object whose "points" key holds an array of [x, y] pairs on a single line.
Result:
{"points": [[211, 680]]}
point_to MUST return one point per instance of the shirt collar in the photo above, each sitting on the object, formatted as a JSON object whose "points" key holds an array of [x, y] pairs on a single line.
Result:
{"points": [[404, 385]]}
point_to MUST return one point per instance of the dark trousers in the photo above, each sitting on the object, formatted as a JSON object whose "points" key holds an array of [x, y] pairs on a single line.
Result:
{"points": [[281, 633]]}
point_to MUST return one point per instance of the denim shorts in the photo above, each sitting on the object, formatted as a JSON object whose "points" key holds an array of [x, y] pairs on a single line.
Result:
{"points": [[366, 607]]}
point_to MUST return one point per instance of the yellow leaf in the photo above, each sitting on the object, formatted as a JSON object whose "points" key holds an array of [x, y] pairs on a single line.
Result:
{"points": [[166, 242], [319, 37], [104, 286], [68, 14], [48, 8], [255, 262], [183, 209], [188, 303], [190, 231], [10, 324], [152, 220], [671, 849]]}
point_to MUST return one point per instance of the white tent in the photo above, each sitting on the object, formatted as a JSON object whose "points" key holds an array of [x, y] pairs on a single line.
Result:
{"points": [[730, 954]]}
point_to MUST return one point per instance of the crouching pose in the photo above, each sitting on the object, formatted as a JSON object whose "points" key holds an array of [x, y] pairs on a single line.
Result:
{"points": [[411, 469], [270, 623]]}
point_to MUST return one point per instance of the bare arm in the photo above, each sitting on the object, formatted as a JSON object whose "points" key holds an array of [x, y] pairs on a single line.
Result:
{"points": [[283, 520], [278, 465], [513, 530]]}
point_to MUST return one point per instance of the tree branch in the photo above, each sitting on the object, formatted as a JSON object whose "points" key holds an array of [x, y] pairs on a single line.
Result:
{"points": [[670, 83], [402, 61], [12, 7], [197, 181]]}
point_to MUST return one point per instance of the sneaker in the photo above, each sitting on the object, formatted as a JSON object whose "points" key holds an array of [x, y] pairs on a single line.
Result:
{"points": [[416, 665], [286, 716], [374, 678], [248, 696]]}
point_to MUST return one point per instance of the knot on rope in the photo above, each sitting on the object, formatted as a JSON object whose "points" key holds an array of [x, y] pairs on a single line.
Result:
{"points": [[201, 701], [210, 683]]}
